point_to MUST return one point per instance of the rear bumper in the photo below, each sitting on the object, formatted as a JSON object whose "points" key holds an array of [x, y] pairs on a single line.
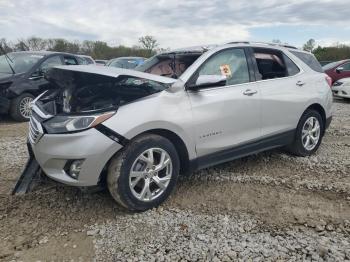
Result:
{"points": [[55, 151]]}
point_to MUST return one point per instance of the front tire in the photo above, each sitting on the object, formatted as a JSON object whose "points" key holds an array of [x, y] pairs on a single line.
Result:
{"points": [[309, 134], [143, 174], [20, 109]]}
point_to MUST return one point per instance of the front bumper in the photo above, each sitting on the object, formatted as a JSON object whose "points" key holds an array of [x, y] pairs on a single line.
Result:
{"points": [[53, 151], [341, 91]]}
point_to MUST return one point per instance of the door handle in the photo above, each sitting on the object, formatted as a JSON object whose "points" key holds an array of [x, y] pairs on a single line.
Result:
{"points": [[300, 83], [249, 92]]}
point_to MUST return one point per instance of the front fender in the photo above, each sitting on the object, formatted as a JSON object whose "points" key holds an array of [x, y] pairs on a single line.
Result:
{"points": [[168, 111]]}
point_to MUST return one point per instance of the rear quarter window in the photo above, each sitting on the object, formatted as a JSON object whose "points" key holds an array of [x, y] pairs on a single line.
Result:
{"points": [[310, 60]]}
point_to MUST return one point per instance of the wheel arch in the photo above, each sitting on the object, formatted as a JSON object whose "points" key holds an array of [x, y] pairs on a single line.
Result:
{"points": [[319, 108], [178, 143], [175, 139]]}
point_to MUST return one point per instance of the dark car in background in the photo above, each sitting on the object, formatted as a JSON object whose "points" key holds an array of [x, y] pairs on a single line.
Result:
{"points": [[338, 70], [126, 62], [22, 79]]}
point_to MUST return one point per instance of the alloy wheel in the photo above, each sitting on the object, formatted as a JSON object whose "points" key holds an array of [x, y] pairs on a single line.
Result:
{"points": [[150, 174], [25, 107], [311, 133]]}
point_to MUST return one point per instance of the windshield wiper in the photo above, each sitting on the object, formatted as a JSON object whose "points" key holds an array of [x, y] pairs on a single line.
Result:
{"points": [[8, 59]]}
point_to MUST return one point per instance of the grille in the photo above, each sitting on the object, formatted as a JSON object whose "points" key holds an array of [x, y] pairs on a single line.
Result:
{"points": [[35, 130]]}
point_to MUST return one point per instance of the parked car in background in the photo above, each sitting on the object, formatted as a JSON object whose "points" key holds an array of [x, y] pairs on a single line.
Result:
{"points": [[338, 70], [100, 62], [126, 62], [86, 60], [341, 88], [323, 63], [21, 79], [138, 130]]}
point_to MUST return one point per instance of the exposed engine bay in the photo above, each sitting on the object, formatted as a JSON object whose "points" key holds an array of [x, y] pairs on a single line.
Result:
{"points": [[83, 92]]}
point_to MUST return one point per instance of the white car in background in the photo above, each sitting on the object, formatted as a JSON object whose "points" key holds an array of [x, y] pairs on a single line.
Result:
{"points": [[341, 88], [86, 60]]}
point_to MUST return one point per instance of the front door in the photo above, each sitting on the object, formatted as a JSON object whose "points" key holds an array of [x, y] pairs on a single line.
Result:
{"points": [[344, 71], [37, 79], [229, 115]]}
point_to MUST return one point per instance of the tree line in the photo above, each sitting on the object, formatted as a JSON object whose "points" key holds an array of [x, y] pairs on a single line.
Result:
{"points": [[148, 46], [332, 53]]}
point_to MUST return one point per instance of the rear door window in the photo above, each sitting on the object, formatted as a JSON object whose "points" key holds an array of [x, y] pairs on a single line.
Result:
{"points": [[50, 62], [82, 61], [346, 67], [271, 63], [69, 60], [310, 60]]}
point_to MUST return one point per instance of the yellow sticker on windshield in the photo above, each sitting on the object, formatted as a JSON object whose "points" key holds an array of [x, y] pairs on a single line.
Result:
{"points": [[225, 70]]}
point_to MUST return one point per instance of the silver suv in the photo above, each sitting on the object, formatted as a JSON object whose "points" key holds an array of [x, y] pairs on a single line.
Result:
{"points": [[180, 111]]}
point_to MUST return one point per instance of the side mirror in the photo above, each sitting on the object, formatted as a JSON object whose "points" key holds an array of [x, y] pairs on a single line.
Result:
{"points": [[339, 69], [204, 81]]}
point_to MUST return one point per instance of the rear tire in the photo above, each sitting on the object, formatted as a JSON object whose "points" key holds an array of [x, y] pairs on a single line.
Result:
{"points": [[310, 128], [135, 178], [20, 107]]}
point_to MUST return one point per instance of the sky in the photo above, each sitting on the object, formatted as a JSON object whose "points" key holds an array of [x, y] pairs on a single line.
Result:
{"points": [[177, 23]]}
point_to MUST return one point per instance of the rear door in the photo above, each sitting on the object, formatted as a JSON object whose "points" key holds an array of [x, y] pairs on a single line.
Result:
{"points": [[226, 116], [282, 87]]}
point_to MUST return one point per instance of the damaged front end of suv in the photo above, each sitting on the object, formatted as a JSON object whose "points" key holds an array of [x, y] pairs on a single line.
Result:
{"points": [[68, 117]]}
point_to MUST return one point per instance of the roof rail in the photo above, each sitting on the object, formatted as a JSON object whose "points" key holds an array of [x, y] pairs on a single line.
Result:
{"points": [[263, 43]]}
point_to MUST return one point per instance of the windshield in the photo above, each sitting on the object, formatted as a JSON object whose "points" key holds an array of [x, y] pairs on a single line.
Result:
{"points": [[170, 65], [20, 62], [331, 65]]}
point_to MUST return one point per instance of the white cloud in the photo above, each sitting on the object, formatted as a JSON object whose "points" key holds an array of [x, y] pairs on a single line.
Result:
{"points": [[175, 23]]}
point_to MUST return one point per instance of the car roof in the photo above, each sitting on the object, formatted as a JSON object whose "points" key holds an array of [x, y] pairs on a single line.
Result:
{"points": [[203, 48], [191, 49], [43, 53], [128, 57], [343, 61], [84, 56]]}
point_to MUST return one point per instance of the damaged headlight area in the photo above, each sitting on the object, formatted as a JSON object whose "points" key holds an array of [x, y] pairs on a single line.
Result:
{"points": [[65, 124]]}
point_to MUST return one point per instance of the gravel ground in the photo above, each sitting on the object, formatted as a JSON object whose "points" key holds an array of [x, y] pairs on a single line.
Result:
{"points": [[270, 206]]}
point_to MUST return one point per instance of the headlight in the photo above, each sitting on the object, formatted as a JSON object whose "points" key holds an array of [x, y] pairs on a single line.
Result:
{"points": [[337, 83], [65, 124]]}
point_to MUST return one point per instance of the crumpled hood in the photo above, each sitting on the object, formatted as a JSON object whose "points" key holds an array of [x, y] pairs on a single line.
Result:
{"points": [[5, 77], [116, 72], [81, 89]]}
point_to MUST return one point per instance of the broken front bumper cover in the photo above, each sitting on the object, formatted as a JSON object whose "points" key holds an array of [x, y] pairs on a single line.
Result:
{"points": [[29, 176], [51, 154]]}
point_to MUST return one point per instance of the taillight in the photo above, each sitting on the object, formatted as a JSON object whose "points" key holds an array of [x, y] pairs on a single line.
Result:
{"points": [[329, 80]]}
